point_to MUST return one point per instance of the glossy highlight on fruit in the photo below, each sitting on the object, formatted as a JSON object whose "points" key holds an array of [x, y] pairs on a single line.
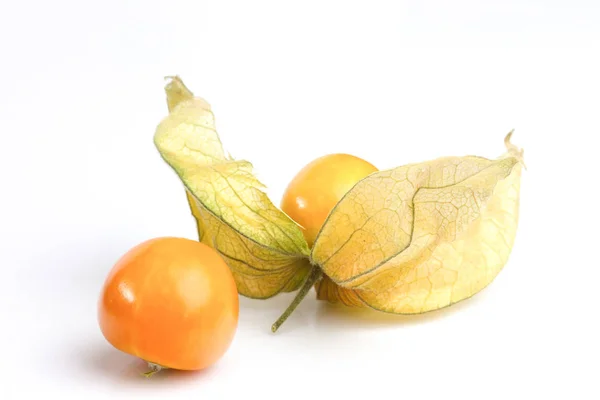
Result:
{"points": [[319, 186], [172, 302]]}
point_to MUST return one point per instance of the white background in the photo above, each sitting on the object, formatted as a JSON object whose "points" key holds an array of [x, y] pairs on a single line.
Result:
{"points": [[390, 81]]}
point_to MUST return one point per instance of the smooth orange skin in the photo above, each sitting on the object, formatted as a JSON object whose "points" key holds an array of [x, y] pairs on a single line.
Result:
{"points": [[172, 302], [319, 186]]}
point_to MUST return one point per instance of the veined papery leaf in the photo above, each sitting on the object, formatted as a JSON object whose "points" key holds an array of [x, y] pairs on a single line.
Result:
{"points": [[422, 236], [263, 247]]}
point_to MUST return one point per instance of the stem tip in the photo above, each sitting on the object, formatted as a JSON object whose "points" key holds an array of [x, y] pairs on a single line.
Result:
{"points": [[314, 275]]}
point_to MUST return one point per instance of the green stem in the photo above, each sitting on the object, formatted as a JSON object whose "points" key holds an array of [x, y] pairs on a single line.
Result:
{"points": [[314, 275]]}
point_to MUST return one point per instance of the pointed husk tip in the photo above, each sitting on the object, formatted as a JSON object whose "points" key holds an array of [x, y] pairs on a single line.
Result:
{"points": [[176, 91], [513, 150]]}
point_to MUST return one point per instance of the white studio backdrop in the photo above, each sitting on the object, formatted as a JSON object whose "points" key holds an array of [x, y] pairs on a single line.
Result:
{"points": [[393, 82]]}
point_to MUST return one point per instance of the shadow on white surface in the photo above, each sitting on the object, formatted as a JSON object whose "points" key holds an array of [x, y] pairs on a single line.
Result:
{"points": [[321, 315], [338, 315], [107, 363]]}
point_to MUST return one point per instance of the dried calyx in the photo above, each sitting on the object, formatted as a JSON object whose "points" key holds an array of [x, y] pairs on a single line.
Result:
{"points": [[405, 240]]}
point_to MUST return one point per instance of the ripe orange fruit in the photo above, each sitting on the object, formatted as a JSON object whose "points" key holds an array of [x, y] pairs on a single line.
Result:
{"points": [[172, 302], [319, 186]]}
